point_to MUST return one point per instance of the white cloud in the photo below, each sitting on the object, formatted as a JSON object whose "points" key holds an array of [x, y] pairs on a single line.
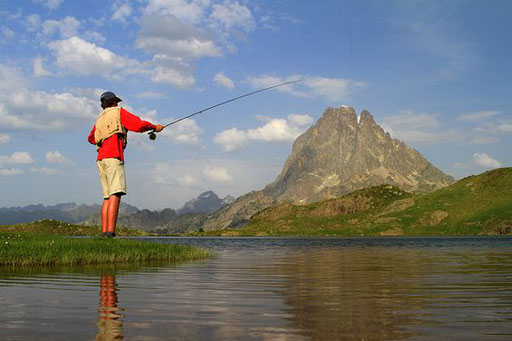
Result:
{"points": [[47, 171], [300, 120], [217, 174], [84, 58], [32, 22], [4, 138], [66, 27], [51, 4], [274, 130], [39, 70], [479, 116], [222, 80], [11, 171], [176, 180], [121, 12], [231, 139], [16, 158], [169, 36], [94, 36], [504, 128], [485, 160], [24, 109], [184, 132], [186, 180], [191, 11], [231, 14], [57, 157], [332, 89]]}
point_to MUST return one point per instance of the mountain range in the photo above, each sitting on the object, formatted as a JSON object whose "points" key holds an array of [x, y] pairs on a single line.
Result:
{"points": [[206, 202]]}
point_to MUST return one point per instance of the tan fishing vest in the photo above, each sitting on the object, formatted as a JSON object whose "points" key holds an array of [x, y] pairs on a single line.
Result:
{"points": [[108, 124]]}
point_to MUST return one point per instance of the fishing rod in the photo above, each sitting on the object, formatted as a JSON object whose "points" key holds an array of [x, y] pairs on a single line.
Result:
{"points": [[152, 134]]}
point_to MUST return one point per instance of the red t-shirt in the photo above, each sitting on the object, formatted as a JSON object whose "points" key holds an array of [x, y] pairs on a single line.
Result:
{"points": [[113, 146]]}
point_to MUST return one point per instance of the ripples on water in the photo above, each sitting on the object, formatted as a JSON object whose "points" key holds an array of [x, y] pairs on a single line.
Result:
{"points": [[275, 288]]}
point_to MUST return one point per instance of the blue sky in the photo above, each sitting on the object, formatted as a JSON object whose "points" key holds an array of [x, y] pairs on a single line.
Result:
{"points": [[435, 74]]}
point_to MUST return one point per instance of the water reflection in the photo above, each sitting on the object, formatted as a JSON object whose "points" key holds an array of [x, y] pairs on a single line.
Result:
{"points": [[285, 289], [110, 323]]}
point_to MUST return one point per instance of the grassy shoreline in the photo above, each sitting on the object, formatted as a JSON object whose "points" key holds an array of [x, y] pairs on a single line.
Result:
{"points": [[37, 249]]}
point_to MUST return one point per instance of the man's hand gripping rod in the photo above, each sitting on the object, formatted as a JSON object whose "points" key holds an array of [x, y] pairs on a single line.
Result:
{"points": [[152, 134]]}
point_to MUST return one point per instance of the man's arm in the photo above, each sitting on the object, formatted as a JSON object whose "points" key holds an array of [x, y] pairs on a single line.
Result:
{"points": [[133, 123], [91, 138]]}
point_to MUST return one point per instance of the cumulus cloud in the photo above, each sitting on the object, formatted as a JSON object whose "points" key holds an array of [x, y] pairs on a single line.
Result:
{"points": [[121, 12], [84, 58], [169, 36], [230, 14], [231, 139], [66, 27], [222, 80], [217, 174], [16, 158], [4, 138], [485, 160], [191, 11], [24, 109], [274, 130], [331, 89], [184, 132], [57, 157]]}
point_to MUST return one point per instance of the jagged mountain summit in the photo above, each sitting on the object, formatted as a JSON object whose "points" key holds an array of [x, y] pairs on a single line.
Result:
{"points": [[337, 155], [341, 154], [206, 202]]}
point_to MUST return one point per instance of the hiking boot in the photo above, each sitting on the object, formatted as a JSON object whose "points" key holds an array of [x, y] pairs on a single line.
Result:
{"points": [[110, 234]]}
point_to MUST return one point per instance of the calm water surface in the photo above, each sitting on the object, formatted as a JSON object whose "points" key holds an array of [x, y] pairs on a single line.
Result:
{"points": [[275, 289]]}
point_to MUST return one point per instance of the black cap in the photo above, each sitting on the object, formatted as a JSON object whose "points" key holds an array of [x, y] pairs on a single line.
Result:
{"points": [[109, 95]]}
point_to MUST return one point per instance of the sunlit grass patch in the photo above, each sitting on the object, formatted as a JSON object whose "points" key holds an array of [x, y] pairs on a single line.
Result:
{"points": [[19, 249]]}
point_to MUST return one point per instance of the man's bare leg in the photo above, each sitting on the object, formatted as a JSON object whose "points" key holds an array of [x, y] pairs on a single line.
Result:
{"points": [[104, 220], [112, 212]]}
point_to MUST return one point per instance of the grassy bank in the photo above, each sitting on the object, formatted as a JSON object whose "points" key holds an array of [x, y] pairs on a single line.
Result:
{"points": [[34, 249], [55, 227]]}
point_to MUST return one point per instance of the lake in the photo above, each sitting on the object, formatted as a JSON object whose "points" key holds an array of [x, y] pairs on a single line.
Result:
{"points": [[275, 289]]}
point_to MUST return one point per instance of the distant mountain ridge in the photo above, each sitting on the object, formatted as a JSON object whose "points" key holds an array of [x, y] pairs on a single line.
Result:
{"points": [[66, 212], [206, 202]]}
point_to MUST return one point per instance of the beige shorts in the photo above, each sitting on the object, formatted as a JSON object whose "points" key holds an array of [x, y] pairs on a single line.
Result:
{"points": [[113, 180]]}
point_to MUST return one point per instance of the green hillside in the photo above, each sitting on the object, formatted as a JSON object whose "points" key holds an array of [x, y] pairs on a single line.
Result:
{"points": [[476, 205]]}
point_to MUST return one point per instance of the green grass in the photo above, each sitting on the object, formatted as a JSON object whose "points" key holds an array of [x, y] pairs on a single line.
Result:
{"points": [[55, 227], [34, 249], [476, 205]]}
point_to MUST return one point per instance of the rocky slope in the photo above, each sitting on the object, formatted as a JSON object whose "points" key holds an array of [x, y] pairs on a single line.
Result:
{"points": [[336, 156]]}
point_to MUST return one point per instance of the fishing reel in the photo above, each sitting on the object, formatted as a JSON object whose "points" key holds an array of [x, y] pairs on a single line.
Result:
{"points": [[152, 136]]}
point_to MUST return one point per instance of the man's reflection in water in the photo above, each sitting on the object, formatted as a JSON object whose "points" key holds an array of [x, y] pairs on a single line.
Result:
{"points": [[110, 324]]}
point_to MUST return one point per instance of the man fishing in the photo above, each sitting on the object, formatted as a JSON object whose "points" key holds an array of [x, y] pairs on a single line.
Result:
{"points": [[110, 134]]}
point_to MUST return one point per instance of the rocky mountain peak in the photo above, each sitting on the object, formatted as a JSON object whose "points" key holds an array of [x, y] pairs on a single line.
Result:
{"points": [[338, 155]]}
